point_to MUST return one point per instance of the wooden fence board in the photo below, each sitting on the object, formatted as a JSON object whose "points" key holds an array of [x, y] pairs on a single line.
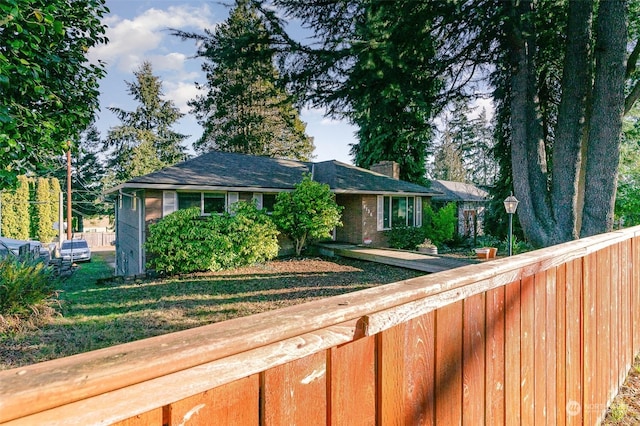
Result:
{"points": [[236, 403], [615, 309], [603, 343], [561, 345], [540, 349], [574, 343], [512, 368], [550, 341], [626, 356], [352, 384], [391, 375], [495, 357], [296, 393], [589, 348], [473, 360], [449, 364], [420, 382], [153, 417], [635, 294], [527, 351]]}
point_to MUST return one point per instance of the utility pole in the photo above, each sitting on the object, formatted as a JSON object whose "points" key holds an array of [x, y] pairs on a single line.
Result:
{"points": [[68, 190]]}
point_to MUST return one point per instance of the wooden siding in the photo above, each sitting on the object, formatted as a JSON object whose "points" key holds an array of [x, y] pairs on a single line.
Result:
{"points": [[544, 337]]}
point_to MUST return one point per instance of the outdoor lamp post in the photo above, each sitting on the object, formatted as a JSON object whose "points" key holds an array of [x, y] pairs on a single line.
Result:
{"points": [[510, 205]]}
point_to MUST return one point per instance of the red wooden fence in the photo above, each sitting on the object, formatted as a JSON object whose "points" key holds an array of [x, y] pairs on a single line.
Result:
{"points": [[545, 337]]}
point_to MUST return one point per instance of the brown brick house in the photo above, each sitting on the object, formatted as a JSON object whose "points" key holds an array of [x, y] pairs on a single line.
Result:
{"points": [[373, 202]]}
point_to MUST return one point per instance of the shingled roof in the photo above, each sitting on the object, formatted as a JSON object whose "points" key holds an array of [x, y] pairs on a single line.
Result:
{"points": [[238, 172], [458, 191]]}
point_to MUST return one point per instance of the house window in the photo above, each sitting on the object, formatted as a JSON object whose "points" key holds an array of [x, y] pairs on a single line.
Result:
{"points": [[265, 201], [399, 211], [207, 202], [268, 201], [213, 203], [187, 200]]}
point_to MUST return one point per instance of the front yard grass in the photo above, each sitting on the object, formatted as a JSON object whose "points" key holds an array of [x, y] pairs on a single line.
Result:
{"points": [[92, 316]]}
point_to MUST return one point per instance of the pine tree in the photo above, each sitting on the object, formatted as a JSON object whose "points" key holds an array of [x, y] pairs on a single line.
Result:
{"points": [[88, 174], [44, 231], [15, 210], [244, 108], [54, 201], [144, 134]]}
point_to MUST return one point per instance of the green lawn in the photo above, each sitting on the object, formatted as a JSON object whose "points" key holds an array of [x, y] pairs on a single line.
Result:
{"points": [[93, 316]]}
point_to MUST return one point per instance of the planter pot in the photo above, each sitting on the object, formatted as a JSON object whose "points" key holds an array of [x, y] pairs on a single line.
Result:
{"points": [[428, 250]]}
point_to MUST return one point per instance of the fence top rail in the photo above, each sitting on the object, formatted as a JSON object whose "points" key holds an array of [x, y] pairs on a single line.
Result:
{"points": [[38, 387]]}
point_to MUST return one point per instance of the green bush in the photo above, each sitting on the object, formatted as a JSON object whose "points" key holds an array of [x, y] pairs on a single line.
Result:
{"points": [[405, 237], [439, 226], [253, 234], [24, 284], [307, 213], [185, 242]]}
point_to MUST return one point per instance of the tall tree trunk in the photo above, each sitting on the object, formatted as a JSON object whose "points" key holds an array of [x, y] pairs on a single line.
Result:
{"points": [[606, 118], [527, 145], [570, 131]]}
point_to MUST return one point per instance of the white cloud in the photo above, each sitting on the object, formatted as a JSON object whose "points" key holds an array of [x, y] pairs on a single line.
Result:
{"points": [[180, 93], [174, 61], [131, 41]]}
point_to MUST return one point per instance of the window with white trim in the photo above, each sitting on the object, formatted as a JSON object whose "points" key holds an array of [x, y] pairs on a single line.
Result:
{"points": [[394, 211], [208, 202], [265, 201], [169, 202]]}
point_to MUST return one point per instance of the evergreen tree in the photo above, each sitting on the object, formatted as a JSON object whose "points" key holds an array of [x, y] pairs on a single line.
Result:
{"points": [[15, 210], [88, 175], [448, 163], [464, 153], [483, 168], [144, 141], [54, 201], [244, 108], [375, 63], [44, 231]]}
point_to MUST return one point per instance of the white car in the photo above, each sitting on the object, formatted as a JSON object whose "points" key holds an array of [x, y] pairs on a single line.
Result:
{"points": [[75, 251]]}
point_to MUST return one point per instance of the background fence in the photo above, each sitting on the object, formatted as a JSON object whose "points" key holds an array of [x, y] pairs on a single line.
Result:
{"points": [[545, 337], [97, 239]]}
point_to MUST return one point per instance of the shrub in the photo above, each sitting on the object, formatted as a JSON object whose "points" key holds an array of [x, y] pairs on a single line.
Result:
{"points": [[24, 284], [185, 242], [439, 226], [405, 237], [253, 234], [308, 213]]}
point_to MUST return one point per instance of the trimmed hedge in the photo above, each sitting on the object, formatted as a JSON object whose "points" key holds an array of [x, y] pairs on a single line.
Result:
{"points": [[185, 241]]}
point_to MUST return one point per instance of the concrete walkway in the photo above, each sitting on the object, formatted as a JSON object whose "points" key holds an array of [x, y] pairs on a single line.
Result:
{"points": [[405, 259]]}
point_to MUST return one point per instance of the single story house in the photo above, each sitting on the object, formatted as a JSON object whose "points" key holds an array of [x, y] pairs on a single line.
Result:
{"points": [[373, 202], [470, 201]]}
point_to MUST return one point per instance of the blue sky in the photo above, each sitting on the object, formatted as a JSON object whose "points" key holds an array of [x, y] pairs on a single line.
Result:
{"points": [[137, 31]]}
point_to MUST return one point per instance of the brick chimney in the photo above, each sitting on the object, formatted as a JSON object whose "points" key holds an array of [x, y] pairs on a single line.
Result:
{"points": [[387, 168]]}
